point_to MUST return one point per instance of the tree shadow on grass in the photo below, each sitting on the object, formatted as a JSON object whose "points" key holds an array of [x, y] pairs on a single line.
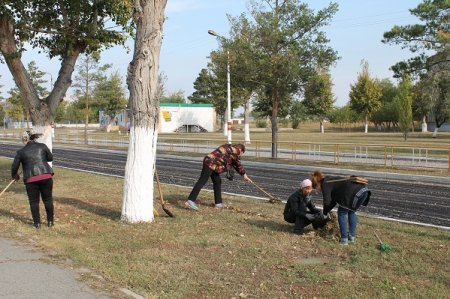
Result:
{"points": [[17, 217], [270, 225], [94, 209]]}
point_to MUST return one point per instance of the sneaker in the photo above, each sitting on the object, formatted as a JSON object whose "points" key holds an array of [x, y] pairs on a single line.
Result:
{"points": [[351, 239], [344, 241], [218, 206], [191, 205]]}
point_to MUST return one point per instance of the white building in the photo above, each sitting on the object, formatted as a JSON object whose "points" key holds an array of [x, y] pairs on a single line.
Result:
{"points": [[175, 117]]}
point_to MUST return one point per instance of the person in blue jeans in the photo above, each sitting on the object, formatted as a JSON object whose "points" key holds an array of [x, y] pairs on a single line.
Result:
{"points": [[349, 194]]}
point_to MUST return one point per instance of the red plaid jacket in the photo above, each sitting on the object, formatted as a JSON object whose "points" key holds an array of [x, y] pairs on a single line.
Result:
{"points": [[225, 157]]}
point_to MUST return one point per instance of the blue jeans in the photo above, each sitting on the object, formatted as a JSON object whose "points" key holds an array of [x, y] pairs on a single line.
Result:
{"points": [[344, 215]]}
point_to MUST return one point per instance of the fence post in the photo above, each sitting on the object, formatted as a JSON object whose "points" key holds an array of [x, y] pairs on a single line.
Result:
{"points": [[385, 156]]}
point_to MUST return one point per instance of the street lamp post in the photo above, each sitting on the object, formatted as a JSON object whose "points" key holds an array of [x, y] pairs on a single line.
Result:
{"points": [[228, 123]]}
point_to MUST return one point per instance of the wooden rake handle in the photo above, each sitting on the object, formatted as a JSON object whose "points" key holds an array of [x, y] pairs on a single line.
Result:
{"points": [[272, 198], [6, 188]]}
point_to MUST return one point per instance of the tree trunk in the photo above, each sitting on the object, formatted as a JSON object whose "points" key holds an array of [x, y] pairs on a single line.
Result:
{"points": [[274, 124], [247, 122], [145, 95], [322, 130], [366, 125], [424, 124], [435, 132]]}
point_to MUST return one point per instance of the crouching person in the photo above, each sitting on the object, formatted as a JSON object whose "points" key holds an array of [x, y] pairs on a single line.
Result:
{"points": [[300, 210]]}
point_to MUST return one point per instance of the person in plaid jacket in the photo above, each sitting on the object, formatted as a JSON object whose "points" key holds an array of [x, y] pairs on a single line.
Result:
{"points": [[222, 159]]}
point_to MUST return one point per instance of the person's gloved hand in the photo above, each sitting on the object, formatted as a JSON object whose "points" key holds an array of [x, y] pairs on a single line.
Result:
{"points": [[16, 177], [310, 216], [327, 216]]}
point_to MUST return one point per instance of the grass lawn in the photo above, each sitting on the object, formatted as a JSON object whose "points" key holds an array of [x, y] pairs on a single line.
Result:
{"points": [[243, 251]]}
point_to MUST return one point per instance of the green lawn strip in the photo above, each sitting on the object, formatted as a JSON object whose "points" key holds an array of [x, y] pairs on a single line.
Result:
{"points": [[244, 250]]}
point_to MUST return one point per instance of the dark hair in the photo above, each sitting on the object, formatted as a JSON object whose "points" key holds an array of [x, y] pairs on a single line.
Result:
{"points": [[30, 136], [241, 146], [316, 179]]}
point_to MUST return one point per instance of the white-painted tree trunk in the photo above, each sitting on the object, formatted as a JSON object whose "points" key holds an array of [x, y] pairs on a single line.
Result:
{"points": [[138, 189], [366, 125], [247, 133], [435, 132], [424, 124], [145, 93], [322, 129], [247, 122], [46, 138]]}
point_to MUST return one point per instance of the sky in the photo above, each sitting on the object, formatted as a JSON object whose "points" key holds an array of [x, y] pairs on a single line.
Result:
{"points": [[355, 33]]}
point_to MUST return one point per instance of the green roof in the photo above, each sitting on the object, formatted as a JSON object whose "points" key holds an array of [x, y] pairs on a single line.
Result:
{"points": [[184, 105]]}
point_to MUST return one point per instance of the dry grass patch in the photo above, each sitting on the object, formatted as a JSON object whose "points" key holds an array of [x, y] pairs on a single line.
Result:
{"points": [[245, 250]]}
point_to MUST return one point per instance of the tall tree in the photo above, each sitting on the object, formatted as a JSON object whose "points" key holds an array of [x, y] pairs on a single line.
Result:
{"points": [[202, 88], [145, 93], [89, 74], [435, 89], [431, 36], [110, 96], [404, 104], [61, 29], [319, 96], [365, 95], [387, 115], [288, 46]]}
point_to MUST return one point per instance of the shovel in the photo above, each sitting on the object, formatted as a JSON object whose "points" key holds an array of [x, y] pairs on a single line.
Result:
{"points": [[383, 246], [168, 212]]}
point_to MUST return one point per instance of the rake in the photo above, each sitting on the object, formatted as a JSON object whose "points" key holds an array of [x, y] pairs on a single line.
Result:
{"points": [[383, 246], [163, 205], [271, 197], [6, 188]]}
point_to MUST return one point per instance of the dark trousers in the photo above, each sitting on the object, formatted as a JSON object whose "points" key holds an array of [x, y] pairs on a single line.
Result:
{"points": [[204, 176], [38, 189], [300, 222]]}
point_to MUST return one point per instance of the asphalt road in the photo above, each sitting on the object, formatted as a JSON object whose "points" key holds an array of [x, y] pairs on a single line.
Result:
{"points": [[419, 199]]}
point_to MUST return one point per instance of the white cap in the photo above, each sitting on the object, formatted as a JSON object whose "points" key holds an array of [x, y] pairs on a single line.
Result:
{"points": [[306, 183]]}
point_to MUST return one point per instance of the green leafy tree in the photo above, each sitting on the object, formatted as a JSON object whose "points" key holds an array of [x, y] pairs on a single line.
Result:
{"points": [[431, 35], [342, 116], [319, 96], [365, 95], [16, 109], [404, 104], [62, 30], [110, 96], [297, 113], [435, 89], [387, 115], [202, 88], [61, 112], [287, 46], [174, 97], [73, 114]]}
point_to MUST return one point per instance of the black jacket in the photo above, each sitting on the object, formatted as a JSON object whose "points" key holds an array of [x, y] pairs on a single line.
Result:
{"points": [[341, 192], [34, 157], [299, 204]]}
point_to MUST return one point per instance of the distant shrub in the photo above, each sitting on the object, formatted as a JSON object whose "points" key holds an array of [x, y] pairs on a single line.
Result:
{"points": [[261, 123]]}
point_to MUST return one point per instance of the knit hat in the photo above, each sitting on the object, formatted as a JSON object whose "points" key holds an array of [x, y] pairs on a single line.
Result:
{"points": [[306, 183]]}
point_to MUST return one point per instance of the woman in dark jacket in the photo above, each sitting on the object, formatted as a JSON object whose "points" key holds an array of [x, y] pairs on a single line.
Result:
{"points": [[348, 194], [224, 158], [37, 175], [299, 208]]}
